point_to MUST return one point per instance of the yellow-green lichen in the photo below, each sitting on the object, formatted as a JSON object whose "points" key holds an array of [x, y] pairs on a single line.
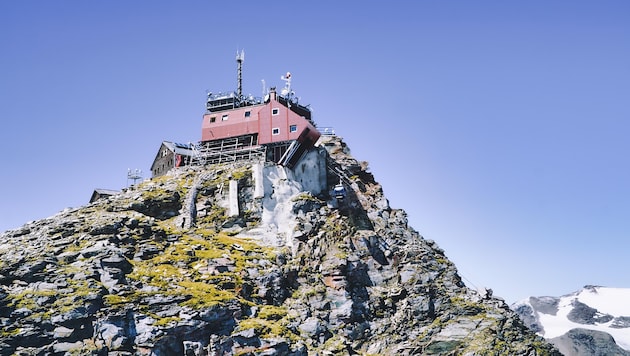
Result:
{"points": [[334, 345], [187, 268], [116, 300], [272, 312], [306, 197], [10, 332], [155, 193], [165, 321], [241, 173], [267, 328], [204, 295], [214, 215]]}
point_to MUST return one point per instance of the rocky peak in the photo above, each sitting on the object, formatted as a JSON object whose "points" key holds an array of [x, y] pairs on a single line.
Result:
{"points": [[245, 259]]}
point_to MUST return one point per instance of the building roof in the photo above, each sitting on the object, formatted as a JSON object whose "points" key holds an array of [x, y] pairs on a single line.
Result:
{"points": [[100, 193], [179, 148], [184, 149]]}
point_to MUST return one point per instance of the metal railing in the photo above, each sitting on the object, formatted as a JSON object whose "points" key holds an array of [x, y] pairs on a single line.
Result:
{"points": [[326, 131]]}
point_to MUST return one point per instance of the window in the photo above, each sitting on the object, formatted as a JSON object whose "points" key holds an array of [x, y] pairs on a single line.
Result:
{"points": [[293, 128], [224, 117], [275, 131], [275, 111], [248, 113], [213, 119]]}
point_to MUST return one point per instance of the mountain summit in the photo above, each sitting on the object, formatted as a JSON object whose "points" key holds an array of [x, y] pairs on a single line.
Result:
{"points": [[245, 258]]}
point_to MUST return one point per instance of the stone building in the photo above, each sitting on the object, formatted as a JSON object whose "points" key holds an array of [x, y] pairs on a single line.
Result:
{"points": [[171, 155]]}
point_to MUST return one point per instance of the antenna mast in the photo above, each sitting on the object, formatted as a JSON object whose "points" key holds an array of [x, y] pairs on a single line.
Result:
{"points": [[134, 175], [240, 57]]}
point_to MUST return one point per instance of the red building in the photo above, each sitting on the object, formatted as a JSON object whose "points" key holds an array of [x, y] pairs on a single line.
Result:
{"points": [[275, 128], [277, 122]]}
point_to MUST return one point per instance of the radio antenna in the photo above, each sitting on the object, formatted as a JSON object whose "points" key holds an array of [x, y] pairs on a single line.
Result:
{"points": [[240, 58]]}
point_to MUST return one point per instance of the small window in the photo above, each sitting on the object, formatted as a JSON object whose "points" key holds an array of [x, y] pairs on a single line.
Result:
{"points": [[224, 117], [275, 111], [213, 119], [248, 113], [275, 131], [293, 128]]}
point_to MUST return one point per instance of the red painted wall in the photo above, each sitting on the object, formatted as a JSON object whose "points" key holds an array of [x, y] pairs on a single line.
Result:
{"points": [[261, 120], [236, 124]]}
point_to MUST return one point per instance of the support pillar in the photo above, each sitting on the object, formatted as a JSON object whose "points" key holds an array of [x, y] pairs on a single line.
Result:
{"points": [[233, 198]]}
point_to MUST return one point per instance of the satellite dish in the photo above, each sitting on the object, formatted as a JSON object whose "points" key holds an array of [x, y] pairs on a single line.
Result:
{"points": [[287, 87]]}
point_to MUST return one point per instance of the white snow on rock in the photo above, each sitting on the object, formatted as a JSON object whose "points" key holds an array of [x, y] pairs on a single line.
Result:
{"points": [[277, 221], [613, 301], [607, 301], [280, 185]]}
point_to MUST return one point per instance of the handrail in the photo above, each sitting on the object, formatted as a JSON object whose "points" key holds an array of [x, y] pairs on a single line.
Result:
{"points": [[326, 131]]}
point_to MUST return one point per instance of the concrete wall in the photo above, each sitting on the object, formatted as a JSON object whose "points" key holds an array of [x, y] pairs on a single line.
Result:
{"points": [[310, 174], [233, 198], [310, 171]]}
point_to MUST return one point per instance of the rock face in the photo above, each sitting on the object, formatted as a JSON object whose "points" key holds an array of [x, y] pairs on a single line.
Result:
{"points": [[585, 342], [168, 267], [592, 321]]}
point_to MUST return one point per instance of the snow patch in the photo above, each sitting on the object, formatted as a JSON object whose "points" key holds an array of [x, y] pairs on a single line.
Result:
{"points": [[613, 301]]}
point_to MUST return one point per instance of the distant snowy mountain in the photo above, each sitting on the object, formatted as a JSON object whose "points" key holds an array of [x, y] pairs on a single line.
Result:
{"points": [[593, 321]]}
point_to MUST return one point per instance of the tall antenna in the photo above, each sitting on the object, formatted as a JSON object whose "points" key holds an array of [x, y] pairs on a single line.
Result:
{"points": [[240, 57]]}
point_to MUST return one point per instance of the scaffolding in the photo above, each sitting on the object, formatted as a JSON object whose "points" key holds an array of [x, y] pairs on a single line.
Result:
{"points": [[228, 150]]}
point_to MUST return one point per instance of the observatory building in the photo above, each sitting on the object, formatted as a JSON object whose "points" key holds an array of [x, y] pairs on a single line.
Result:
{"points": [[274, 127]]}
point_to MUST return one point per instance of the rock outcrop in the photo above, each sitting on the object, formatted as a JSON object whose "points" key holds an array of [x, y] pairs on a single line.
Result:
{"points": [[585, 342], [170, 267]]}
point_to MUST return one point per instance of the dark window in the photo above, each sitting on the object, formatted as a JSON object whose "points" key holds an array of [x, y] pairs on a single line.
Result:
{"points": [[292, 128], [248, 113], [213, 119], [275, 111], [275, 131]]}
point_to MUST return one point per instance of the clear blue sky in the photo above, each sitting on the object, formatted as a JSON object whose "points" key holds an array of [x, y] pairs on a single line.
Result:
{"points": [[501, 127]]}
